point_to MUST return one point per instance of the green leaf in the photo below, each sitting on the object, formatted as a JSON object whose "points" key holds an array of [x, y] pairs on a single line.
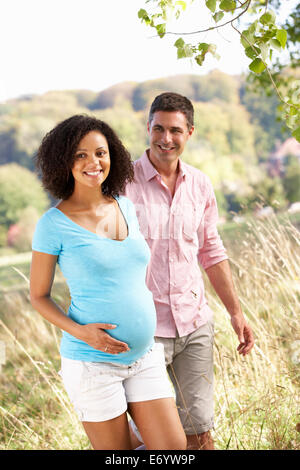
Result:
{"points": [[296, 134], [228, 5], [145, 17], [161, 29], [203, 46], [142, 13], [271, 33], [275, 44], [184, 52], [247, 38], [183, 49], [291, 121], [281, 36], [164, 15], [179, 43], [200, 59], [252, 52], [211, 4], [268, 18], [182, 4], [252, 28], [264, 47], [293, 111], [257, 66], [218, 16], [212, 49]]}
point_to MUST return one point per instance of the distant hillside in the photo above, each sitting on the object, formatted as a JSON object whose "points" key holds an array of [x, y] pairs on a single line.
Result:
{"points": [[24, 121], [235, 129], [215, 85], [236, 132]]}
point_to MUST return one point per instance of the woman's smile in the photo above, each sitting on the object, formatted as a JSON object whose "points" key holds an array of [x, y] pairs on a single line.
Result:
{"points": [[93, 174]]}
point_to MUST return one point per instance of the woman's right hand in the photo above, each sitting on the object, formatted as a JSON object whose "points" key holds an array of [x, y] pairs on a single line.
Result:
{"points": [[94, 336]]}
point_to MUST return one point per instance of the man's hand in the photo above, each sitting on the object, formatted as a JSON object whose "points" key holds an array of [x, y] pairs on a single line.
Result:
{"points": [[244, 334], [220, 276]]}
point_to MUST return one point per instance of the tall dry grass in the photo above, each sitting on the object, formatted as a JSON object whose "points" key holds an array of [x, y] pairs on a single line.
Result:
{"points": [[256, 397]]}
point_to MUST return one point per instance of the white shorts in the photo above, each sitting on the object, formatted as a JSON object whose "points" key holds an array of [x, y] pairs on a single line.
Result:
{"points": [[100, 391]]}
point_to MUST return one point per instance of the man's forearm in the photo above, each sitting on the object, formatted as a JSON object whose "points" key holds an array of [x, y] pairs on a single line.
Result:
{"points": [[221, 279]]}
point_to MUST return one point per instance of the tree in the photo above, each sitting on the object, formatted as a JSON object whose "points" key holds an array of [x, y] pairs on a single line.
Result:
{"points": [[262, 111], [25, 121], [216, 85], [291, 179], [25, 229], [226, 127], [129, 126], [260, 39], [19, 188], [265, 192]]}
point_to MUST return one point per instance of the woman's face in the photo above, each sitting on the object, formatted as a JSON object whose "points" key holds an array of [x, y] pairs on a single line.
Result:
{"points": [[92, 161]]}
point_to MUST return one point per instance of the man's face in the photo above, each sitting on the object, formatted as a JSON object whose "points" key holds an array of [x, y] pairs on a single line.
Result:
{"points": [[168, 134]]}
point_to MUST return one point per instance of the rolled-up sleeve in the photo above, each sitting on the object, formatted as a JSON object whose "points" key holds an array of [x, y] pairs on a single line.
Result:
{"points": [[211, 248]]}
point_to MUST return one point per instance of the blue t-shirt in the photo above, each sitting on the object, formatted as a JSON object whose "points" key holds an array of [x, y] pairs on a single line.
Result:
{"points": [[107, 282]]}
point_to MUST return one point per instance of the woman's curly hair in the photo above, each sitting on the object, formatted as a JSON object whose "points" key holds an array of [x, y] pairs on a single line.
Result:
{"points": [[56, 154]]}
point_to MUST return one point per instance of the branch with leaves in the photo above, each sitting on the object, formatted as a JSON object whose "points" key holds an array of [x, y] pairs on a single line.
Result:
{"points": [[260, 39]]}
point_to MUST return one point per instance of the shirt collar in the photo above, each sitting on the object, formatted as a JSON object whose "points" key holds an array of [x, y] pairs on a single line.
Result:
{"points": [[182, 168], [149, 170]]}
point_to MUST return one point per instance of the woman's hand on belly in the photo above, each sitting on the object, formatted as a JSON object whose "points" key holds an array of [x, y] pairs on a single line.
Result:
{"points": [[94, 336]]}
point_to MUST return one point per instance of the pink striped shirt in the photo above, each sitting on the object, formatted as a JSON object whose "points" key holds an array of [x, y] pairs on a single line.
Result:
{"points": [[181, 233]]}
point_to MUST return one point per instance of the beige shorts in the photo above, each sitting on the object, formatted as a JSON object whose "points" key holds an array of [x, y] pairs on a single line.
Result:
{"points": [[189, 361], [100, 391]]}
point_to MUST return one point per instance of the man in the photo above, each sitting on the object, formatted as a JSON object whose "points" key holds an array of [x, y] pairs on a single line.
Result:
{"points": [[177, 212]]}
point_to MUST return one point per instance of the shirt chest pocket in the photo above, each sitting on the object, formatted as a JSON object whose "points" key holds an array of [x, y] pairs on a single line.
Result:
{"points": [[191, 221]]}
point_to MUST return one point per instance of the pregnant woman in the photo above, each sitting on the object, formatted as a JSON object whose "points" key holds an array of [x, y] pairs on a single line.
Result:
{"points": [[110, 363]]}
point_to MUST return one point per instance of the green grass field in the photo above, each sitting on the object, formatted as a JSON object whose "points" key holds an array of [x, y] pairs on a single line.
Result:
{"points": [[256, 397]]}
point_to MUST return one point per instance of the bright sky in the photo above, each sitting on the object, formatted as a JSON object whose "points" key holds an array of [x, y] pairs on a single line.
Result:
{"points": [[93, 44]]}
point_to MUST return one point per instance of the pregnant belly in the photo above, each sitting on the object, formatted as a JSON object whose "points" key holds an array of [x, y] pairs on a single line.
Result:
{"points": [[136, 328], [134, 316]]}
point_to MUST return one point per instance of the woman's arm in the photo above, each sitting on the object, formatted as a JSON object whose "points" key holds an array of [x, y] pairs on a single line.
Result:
{"points": [[41, 280]]}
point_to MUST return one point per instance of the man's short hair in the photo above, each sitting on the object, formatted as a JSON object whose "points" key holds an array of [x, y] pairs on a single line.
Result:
{"points": [[172, 102]]}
